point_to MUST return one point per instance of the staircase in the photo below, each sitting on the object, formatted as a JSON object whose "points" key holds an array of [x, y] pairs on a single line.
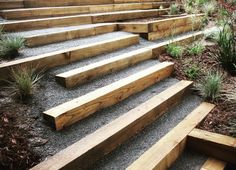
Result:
{"points": [[114, 105]]}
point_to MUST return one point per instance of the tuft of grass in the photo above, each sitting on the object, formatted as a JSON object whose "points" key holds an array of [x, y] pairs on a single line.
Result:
{"points": [[174, 9], [227, 49], [24, 81], [10, 46], [174, 50], [192, 72], [1, 31], [196, 48], [210, 86], [209, 8]]}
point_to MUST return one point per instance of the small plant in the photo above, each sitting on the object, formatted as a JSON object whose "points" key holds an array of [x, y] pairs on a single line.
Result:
{"points": [[174, 50], [227, 49], [192, 72], [24, 81], [209, 8], [210, 86], [174, 9], [1, 31], [10, 46], [196, 48]]}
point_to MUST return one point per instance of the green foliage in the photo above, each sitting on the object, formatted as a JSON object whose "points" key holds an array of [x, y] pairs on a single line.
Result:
{"points": [[210, 86], [24, 81], [209, 8], [174, 9], [174, 50], [10, 46], [196, 48], [1, 31], [192, 72], [227, 49]]}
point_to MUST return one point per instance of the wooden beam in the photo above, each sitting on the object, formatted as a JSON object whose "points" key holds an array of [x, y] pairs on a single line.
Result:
{"points": [[81, 107], [213, 164], [83, 74], [85, 152], [134, 27], [8, 4], [70, 55], [59, 36], [162, 154], [79, 19], [32, 13], [215, 145]]}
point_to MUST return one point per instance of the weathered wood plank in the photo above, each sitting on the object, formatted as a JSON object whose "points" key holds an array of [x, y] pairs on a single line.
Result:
{"points": [[69, 55], [162, 154], [8, 4], [134, 27], [81, 107], [94, 146], [81, 75], [48, 38], [79, 19], [31, 13], [213, 164], [215, 145]]}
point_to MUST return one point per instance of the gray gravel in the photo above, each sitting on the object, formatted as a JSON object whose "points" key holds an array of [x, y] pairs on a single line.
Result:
{"points": [[189, 160], [137, 145]]}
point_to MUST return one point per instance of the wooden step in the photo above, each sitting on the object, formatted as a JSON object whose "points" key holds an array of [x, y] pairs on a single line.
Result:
{"points": [[83, 74], [162, 25], [8, 4], [79, 19], [69, 55], [94, 146], [213, 164], [81, 107], [60, 36], [53, 3], [162, 154], [31, 13], [212, 144]]}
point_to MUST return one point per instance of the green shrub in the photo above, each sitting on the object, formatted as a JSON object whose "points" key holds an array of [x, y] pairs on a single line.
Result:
{"points": [[10, 46], [24, 81], [174, 9], [192, 72], [196, 48], [210, 86], [227, 49], [175, 51]]}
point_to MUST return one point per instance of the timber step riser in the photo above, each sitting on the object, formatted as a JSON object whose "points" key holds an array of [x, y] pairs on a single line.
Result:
{"points": [[79, 19], [38, 40], [66, 11], [81, 107], [167, 150], [107, 138], [70, 55]]}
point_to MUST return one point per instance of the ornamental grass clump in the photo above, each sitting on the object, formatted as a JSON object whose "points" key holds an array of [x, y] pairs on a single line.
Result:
{"points": [[227, 49], [174, 9], [11, 46], [174, 50], [24, 81], [210, 86]]}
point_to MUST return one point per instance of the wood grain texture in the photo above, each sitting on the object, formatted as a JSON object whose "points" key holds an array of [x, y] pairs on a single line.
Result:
{"points": [[48, 38], [81, 107], [85, 152], [215, 145], [70, 55], [83, 74], [162, 154], [8, 4], [213, 164], [32, 13]]}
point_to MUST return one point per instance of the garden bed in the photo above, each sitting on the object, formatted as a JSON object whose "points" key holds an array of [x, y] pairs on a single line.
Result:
{"points": [[222, 118]]}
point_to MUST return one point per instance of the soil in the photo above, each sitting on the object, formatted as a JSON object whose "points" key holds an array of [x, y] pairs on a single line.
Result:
{"points": [[222, 119], [16, 149]]}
